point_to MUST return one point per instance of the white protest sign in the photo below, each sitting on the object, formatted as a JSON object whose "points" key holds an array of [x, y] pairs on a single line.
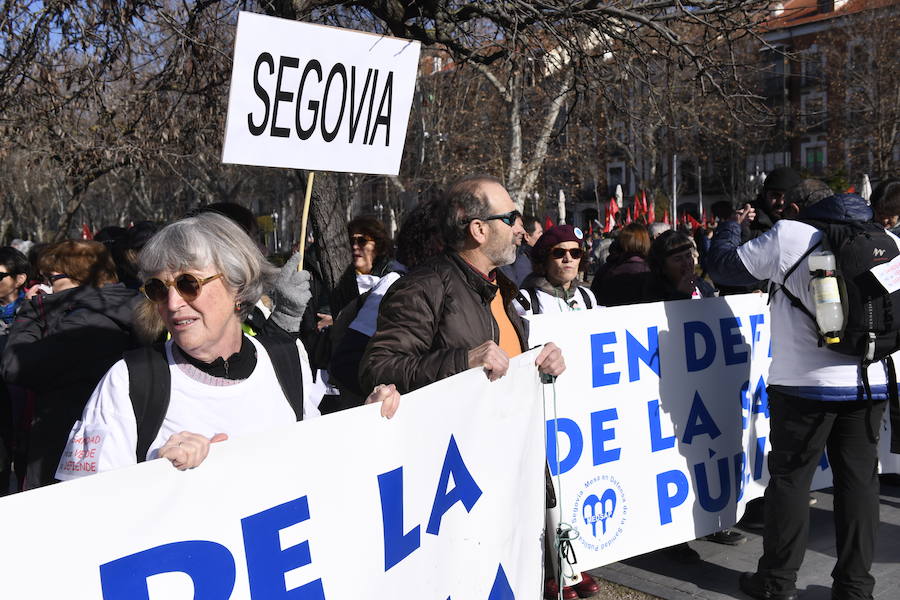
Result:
{"points": [[312, 97], [662, 421], [445, 500], [888, 275]]}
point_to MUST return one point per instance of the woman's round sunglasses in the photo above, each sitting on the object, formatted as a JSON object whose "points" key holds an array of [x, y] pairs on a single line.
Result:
{"points": [[188, 287], [575, 253]]}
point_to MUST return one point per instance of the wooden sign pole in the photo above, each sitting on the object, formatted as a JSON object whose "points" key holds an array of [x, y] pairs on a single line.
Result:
{"points": [[304, 219]]}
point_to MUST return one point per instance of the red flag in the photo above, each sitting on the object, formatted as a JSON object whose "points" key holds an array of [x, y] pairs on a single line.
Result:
{"points": [[608, 226], [637, 207], [666, 218], [851, 189], [613, 207], [86, 232], [627, 216], [651, 209], [547, 223], [691, 221]]}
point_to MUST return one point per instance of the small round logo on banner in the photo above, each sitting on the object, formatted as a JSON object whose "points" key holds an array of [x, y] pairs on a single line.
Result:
{"points": [[599, 512]]}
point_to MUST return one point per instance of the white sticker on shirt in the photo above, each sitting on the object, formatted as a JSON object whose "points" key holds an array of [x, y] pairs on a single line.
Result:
{"points": [[888, 275], [82, 453]]}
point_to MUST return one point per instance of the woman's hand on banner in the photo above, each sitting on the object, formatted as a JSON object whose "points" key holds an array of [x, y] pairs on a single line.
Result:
{"points": [[186, 450], [389, 398]]}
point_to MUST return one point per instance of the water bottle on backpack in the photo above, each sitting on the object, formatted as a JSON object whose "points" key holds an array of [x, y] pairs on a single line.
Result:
{"points": [[826, 296]]}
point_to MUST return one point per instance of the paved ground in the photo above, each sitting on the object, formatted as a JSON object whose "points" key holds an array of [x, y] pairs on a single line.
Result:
{"points": [[715, 578]]}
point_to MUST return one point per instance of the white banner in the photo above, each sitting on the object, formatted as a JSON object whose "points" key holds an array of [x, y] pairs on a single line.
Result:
{"points": [[312, 97], [445, 500], [661, 422]]}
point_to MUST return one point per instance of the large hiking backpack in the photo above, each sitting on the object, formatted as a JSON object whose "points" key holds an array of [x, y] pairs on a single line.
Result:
{"points": [[149, 384], [871, 314], [871, 329]]}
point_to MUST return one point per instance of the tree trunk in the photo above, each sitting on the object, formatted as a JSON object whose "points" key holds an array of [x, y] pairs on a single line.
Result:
{"points": [[330, 199]]}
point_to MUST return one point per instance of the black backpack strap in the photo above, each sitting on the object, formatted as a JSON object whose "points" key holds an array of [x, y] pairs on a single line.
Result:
{"points": [[285, 357], [894, 404], [535, 303], [795, 301], [586, 297], [149, 384]]}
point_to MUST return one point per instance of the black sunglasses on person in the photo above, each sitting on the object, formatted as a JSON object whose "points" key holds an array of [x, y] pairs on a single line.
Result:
{"points": [[360, 240], [508, 218], [50, 279], [575, 253]]}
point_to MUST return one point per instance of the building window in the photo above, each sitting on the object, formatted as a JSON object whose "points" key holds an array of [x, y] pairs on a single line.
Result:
{"points": [[774, 73], [813, 112], [812, 67], [814, 156]]}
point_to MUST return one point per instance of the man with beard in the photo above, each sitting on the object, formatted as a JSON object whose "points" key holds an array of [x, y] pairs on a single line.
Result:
{"points": [[455, 312], [770, 205]]}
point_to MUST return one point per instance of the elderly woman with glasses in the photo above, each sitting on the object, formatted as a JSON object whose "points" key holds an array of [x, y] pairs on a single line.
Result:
{"points": [[553, 285], [203, 274]]}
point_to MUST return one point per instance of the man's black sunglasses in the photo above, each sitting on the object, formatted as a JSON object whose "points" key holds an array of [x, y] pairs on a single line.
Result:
{"points": [[508, 218]]}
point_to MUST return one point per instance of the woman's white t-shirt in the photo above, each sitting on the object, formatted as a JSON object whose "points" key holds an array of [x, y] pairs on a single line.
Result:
{"points": [[106, 436]]}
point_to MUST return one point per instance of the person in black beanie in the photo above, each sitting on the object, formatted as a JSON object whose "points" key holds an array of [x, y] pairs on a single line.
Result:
{"points": [[770, 204]]}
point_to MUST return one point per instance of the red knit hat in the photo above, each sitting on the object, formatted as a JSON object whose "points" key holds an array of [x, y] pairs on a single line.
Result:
{"points": [[553, 236]]}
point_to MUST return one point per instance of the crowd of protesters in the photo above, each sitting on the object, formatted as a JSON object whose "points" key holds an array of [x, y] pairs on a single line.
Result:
{"points": [[164, 340]]}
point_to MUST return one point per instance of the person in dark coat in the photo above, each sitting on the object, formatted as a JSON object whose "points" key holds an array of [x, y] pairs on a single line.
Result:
{"points": [[622, 278], [61, 344], [455, 312], [371, 249]]}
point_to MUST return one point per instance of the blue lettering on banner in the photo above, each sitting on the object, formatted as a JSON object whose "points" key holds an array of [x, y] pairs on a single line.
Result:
{"points": [[657, 441], [759, 458], [695, 362], [706, 500], [397, 545], [755, 333], [600, 435], [465, 491], [740, 475], [576, 444], [600, 358], [699, 422], [761, 398], [501, 590], [209, 565], [667, 501], [637, 352], [730, 340], [745, 404], [267, 562]]}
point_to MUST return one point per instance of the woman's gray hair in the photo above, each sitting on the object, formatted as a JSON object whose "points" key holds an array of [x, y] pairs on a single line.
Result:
{"points": [[210, 239]]}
